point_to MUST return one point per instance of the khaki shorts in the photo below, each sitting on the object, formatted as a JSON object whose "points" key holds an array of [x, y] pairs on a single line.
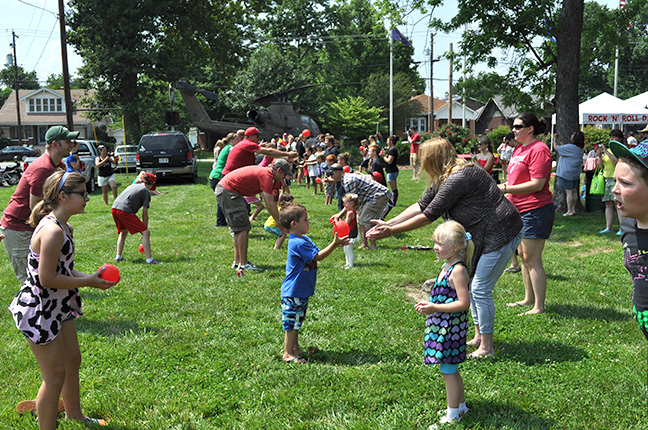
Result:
{"points": [[371, 210], [17, 245], [235, 210]]}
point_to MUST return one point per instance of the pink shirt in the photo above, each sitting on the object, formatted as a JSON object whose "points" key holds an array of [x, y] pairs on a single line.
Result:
{"points": [[530, 161], [250, 180], [241, 155], [414, 145]]}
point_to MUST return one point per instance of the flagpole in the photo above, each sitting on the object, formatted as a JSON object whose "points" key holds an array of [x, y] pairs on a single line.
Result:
{"points": [[391, 86]]}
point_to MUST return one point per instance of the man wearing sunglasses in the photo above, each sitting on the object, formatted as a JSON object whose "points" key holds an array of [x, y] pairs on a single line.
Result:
{"points": [[13, 225]]}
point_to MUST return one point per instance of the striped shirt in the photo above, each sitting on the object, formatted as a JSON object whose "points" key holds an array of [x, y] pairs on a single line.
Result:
{"points": [[367, 189]]}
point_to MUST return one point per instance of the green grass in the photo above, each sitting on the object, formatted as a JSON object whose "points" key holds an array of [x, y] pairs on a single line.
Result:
{"points": [[188, 345]]}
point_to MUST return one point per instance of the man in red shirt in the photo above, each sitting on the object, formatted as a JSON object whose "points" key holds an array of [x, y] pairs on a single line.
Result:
{"points": [[248, 181], [243, 153], [415, 141], [29, 192]]}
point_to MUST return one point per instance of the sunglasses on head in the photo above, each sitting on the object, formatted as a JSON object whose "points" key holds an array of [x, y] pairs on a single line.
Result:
{"points": [[519, 126]]}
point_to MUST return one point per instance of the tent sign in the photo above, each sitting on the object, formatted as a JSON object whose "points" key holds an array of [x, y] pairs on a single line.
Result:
{"points": [[615, 118]]}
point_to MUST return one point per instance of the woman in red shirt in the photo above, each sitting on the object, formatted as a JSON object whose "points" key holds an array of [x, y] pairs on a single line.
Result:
{"points": [[528, 189]]}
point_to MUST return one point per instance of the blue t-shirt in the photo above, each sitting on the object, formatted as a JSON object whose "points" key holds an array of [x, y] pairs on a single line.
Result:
{"points": [[301, 268], [68, 163]]}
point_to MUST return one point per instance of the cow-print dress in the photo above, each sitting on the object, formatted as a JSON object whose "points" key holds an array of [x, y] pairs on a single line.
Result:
{"points": [[39, 311]]}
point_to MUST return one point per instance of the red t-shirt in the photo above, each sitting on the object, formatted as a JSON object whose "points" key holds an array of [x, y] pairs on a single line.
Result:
{"points": [[530, 161], [241, 155], [17, 212], [414, 145], [251, 180]]}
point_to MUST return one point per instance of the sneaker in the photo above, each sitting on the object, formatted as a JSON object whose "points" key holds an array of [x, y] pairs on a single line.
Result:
{"points": [[605, 230], [445, 419], [234, 265], [118, 259], [513, 270], [154, 262], [249, 266], [619, 233]]}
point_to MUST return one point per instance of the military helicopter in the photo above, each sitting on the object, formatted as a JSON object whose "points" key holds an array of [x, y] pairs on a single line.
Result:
{"points": [[278, 118]]}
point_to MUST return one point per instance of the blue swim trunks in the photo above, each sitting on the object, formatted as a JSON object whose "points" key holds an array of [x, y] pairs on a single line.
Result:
{"points": [[293, 312]]}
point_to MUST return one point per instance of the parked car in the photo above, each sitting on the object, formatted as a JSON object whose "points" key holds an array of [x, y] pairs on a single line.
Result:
{"points": [[126, 156], [22, 152], [87, 154], [167, 153]]}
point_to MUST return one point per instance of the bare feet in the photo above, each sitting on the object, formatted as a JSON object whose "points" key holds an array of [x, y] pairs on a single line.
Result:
{"points": [[363, 247], [482, 353], [476, 341], [533, 311], [291, 359], [520, 303]]}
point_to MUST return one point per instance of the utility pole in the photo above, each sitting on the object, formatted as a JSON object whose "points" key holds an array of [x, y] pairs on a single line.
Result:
{"points": [[431, 103], [450, 89], [66, 73], [15, 64]]}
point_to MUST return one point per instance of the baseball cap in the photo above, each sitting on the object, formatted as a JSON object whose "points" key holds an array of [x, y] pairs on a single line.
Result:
{"points": [[251, 131], [284, 165], [645, 129], [58, 132], [639, 152]]}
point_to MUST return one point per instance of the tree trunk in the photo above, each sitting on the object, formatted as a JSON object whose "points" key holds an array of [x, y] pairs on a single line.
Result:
{"points": [[567, 73]]}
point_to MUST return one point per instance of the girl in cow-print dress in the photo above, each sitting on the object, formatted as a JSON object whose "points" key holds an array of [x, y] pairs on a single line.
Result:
{"points": [[46, 306]]}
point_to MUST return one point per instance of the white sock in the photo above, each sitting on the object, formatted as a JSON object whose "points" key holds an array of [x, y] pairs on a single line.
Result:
{"points": [[118, 256], [148, 260], [462, 407], [453, 413]]}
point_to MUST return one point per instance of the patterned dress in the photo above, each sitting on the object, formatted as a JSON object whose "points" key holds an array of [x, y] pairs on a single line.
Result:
{"points": [[39, 311], [445, 333]]}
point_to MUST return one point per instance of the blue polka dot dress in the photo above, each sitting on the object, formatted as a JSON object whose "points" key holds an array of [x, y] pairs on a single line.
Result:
{"points": [[445, 333]]}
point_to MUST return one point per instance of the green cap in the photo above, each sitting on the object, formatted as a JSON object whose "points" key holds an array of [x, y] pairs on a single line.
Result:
{"points": [[58, 132]]}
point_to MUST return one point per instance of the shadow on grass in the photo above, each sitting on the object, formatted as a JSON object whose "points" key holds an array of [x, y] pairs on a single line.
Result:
{"points": [[588, 313], [111, 328], [554, 277], [354, 357], [490, 414], [538, 352]]}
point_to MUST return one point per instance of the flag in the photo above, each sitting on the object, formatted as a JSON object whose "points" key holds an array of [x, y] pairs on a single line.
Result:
{"points": [[397, 35]]}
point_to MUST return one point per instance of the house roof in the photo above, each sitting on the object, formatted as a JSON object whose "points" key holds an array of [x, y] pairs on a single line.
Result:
{"points": [[8, 110], [424, 101]]}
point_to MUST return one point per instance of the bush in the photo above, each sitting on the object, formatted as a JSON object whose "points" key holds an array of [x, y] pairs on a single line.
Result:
{"points": [[460, 137], [595, 136], [497, 136]]}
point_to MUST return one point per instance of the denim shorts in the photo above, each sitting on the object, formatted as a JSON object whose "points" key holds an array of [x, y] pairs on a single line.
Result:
{"points": [[392, 176], [566, 184], [538, 222], [293, 310]]}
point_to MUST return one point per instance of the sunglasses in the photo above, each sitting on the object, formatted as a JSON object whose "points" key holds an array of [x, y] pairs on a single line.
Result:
{"points": [[83, 194], [519, 126]]}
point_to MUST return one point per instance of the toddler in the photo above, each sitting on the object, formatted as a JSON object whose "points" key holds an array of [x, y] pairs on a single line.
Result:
{"points": [[349, 215], [271, 225]]}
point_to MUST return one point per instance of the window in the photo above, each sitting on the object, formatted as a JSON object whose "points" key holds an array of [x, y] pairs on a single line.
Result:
{"points": [[419, 124], [37, 105]]}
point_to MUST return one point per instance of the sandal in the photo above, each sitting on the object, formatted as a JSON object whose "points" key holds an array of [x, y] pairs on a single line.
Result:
{"points": [[95, 421], [296, 360], [30, 406]]}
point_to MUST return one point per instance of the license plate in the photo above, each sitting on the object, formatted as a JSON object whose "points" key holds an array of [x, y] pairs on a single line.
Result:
{"points": [[164, 160]]}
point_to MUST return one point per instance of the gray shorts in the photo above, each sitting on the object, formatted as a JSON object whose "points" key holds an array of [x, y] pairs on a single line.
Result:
{"points": [[235, 210], [17, 245], [371, 210]]}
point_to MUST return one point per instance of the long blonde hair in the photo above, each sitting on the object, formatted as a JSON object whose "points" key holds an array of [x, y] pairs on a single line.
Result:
{"points": [[456, 233], [439, 159], [51, 191]]}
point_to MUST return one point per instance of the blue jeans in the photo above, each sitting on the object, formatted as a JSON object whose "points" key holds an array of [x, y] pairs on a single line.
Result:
{"points": [[489, 269]]}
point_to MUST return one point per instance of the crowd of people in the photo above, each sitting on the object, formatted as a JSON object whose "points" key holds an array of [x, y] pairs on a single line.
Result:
{"points": [[485, 226]]}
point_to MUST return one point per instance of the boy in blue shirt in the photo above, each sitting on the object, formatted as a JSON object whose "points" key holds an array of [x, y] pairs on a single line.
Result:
{"points": [[301, 275]]}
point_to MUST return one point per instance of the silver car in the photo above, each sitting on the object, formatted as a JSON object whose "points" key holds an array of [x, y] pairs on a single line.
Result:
{"points": [[126, 156]]}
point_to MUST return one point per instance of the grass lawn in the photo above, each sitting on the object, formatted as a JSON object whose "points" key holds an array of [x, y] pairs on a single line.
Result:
{"points": [[187, 345]]}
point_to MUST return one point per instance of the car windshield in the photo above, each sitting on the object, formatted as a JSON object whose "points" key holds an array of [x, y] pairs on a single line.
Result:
{"points": [[131, 149], [168, 142]]}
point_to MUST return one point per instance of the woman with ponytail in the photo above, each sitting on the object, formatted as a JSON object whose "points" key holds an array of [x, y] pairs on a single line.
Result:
{"points": [[462, 191], [48, 303]]}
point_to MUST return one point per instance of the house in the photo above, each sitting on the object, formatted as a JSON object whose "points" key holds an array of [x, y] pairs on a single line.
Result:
{"points": [[493, 115], [441, 110], [39, 110]]}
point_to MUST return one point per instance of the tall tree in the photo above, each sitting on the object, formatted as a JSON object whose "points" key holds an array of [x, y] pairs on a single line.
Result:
{"points": [[26, 80]]}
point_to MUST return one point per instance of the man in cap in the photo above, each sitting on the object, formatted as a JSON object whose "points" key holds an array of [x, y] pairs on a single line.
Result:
{"points": [[372, 195], [124, 212], [643, 134], [13, 225], [248, 181], [244, 152]]}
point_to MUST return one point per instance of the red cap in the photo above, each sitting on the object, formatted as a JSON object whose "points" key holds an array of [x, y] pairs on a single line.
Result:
{"points": [[251, 131], [378, 176]]}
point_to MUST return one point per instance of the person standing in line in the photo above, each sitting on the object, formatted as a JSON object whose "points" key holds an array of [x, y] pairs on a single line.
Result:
{"points": [[391, 167], [569, 169], [414, 140], [13, 225], [607, 161]]}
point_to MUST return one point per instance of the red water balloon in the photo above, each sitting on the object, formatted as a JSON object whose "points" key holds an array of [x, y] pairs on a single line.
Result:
{"points": [[318, 180], [141, 248], [306, 132], [342, 229], [110, 273], [346, 169]]}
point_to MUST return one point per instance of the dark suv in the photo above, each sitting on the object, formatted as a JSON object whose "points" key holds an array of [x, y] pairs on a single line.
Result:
{"points": [[167, 153]]}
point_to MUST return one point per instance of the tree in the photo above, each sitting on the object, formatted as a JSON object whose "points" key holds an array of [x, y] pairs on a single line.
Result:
{"points": [[26, 80], [55, 82], [404, 88], [127, 46], [353, 117]]}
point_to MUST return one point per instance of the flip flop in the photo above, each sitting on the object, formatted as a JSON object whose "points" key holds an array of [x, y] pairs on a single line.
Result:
{"points": [[30, 406], [296, 360], [95, 421]]}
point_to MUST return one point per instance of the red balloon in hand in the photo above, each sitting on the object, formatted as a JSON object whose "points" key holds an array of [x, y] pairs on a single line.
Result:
{"points": [[141, 248], [342, 229], [346, 169], [318, 179], [110, 273]]}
